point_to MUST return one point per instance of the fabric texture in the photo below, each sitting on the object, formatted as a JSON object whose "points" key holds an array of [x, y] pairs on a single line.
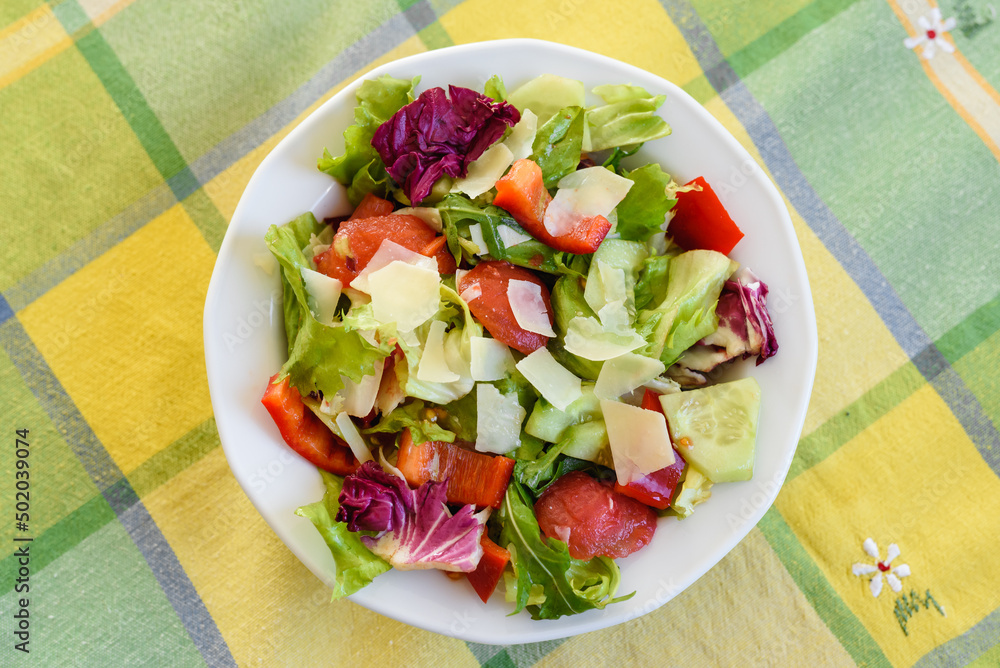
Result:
{"points": [[129, 129]]}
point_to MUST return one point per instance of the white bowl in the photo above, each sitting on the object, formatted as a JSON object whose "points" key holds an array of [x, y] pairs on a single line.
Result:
{"points": [[244, 345]]}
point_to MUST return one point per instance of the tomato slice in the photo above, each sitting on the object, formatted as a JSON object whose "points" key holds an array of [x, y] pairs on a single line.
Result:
{"points": [[472, 477], [490, 569], [593, 519], [358, 239], [371, 206], [521, 192], [701, 222], [304, 432], [492, 308]]}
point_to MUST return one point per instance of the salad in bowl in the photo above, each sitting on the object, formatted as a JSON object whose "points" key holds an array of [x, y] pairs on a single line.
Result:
{"points": [[519, 350]]}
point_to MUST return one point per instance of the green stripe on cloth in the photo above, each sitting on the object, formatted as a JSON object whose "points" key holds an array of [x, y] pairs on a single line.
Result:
{"points": [[132, 103], [60, 538], [817, 590], [74, 527], [975, 329], [854, 419], [206, 217]]}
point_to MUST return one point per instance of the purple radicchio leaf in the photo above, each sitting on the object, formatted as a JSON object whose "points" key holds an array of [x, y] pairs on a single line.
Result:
{"points": [[434, 135], [745, 326], [415, 528], [373, 500]]}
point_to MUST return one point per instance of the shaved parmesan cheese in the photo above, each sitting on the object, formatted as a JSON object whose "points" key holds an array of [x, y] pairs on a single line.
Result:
{"points": [[529, 310], [359, 398], [428, 214], [386, 254], [459, 275], [484, 171], [522, 136], [433, 368], [490, 359], [498, 423], [325, 294], [511, 237], [552, 380], [353, 438], [622, 374], [639, 440], [588, 339], [585, 193], [472, 293], [476, 232], [405, 294]]}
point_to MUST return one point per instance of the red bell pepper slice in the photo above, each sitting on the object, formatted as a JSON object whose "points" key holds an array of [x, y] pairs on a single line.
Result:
{"points": [[490, 569], [472, 476], [521, 192], [304, 432], [701, 222]]}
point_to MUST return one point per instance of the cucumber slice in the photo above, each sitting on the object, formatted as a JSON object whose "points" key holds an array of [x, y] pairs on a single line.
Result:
{"points": [[715, 428]]}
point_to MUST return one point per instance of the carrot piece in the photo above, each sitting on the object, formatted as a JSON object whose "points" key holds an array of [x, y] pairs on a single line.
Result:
{"points": [[701, 221], [490, 569], [371, 206], [472, 477], [433, 247]]}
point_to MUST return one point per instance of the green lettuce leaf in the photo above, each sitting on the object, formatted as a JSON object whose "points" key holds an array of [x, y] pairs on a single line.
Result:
{"points": [[360, 168], [286, 243], [627, 117], [544, 567], [321, 355], [651, 288], [546, 94], [559, 144], [494, 89], [687, 312], [355, 564], [412, 415], [642, 212]]}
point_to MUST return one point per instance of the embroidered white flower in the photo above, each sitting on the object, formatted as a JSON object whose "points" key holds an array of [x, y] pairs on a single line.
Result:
{"points": [[933, 36], [892, 573]]}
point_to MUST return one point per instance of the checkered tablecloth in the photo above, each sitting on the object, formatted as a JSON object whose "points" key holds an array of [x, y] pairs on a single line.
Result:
{"points": [[128, 131]]}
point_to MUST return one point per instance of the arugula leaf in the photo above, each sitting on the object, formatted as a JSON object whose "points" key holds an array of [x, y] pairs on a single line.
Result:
{"points": [[322, 354], [570, 586], [617, 155], [360, 167], [286, 243], [355, 564], [559, 144], [458, 212], [412, 415], [642, 212]]}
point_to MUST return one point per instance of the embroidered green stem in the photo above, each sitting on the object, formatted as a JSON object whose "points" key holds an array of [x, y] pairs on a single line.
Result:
{"points": [[908, 605]]}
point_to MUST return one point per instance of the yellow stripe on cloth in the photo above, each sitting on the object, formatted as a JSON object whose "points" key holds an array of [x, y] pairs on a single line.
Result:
{"points": [[29, 42], [659, 47], [282, 615], [100, 11], [955, 78], [912, 478], [736, 615], [123, 336]]}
